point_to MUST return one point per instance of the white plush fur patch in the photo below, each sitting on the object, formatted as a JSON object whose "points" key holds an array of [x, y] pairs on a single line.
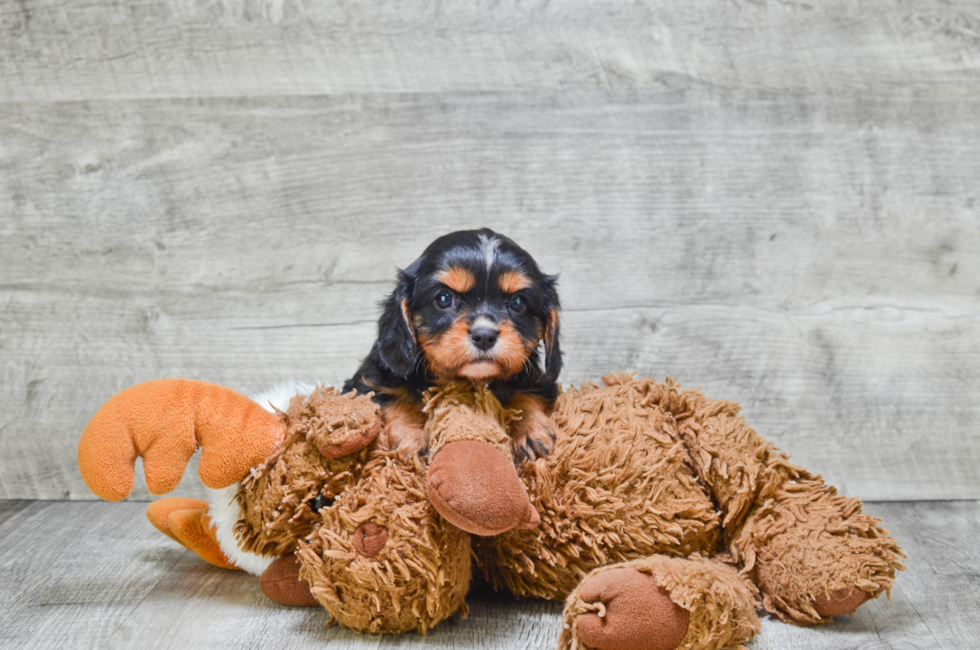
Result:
{"points": [[223, 507], [278, 396]]}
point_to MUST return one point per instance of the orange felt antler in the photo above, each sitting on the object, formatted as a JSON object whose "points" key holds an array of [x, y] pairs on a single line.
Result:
{"points": [[165, 421]]}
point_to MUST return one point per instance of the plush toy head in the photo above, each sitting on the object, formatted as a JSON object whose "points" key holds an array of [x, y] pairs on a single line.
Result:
{"points": [[323, 455], [376, 553], [372, 549]]}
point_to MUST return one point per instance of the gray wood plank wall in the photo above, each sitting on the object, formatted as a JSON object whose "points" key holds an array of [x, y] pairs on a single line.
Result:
{"points": [[777, 201]]}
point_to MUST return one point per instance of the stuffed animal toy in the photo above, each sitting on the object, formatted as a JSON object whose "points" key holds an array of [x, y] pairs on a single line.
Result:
{"points": [[660, 518]]}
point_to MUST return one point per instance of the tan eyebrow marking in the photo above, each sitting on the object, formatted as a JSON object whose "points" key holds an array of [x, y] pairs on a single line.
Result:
{"points": [[513, 281], [458, 279]]}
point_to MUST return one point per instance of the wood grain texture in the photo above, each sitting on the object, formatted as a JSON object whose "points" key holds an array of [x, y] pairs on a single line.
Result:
{"points": [[54, 593], [91, 50], [814, 257], [97, 575]]}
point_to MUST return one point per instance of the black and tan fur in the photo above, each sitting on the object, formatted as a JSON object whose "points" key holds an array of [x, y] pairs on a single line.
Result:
{"points": [[476, 305]]}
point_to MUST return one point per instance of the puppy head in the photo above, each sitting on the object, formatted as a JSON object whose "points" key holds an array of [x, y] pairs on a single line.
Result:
{"points": [[474, 305]]}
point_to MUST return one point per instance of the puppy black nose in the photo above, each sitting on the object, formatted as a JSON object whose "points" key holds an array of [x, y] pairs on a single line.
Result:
{"points": [[484, 337]]}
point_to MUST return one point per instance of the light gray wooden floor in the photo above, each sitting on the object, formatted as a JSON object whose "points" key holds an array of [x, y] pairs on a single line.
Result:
{"points": [[97, 575]]}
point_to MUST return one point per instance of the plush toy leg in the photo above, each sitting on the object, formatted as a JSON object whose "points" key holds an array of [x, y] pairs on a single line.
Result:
{"points": [[186, 522], [383, 560], [472, 481], [476, 488], [660, 603], [814, 554], [281, 584]]}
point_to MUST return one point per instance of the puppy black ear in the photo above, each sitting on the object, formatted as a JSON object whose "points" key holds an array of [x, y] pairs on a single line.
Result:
{"points": [[552, 350], [396, 347]]}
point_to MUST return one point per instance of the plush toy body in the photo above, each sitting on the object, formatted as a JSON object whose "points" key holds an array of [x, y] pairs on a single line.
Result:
{"points": [[660, 518]]}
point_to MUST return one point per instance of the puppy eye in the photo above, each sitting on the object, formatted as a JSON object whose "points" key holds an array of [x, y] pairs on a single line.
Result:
{"points": [[517, 304], [444, 300]]}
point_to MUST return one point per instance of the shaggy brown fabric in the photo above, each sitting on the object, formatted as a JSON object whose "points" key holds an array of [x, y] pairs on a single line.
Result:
{"points": [[471, 479], [643, 468], [617, 486], [276, 497], [720, 603], [463, 410], [337, 425], [806, 543], [417, 579], [376, 556], [732, 460], [791, 532]]}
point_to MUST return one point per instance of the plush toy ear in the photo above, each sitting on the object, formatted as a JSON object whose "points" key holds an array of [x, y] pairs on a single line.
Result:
{"points": [[396, 346], [552, 350]]}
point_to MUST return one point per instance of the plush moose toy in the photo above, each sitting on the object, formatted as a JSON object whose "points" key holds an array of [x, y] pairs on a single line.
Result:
{"points": [[660, 518]]}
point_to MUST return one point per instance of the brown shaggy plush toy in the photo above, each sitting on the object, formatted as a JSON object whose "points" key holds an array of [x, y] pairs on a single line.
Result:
{"points": [[660, 518]]}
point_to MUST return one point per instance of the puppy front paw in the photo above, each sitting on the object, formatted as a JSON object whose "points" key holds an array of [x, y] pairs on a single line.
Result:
{"points": [[533, 436]]}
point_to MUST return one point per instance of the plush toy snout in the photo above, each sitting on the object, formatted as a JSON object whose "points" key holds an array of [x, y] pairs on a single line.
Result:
{"points": [[380, 558], [370, 539]]}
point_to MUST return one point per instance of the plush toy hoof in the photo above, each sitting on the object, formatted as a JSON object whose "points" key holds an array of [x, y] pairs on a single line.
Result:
{"points": [[635, 613], [840, 602], [281, 584], [476, 488]]}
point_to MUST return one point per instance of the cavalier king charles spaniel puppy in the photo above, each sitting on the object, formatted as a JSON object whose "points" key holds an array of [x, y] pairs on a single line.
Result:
{"points": [[475, 305]]}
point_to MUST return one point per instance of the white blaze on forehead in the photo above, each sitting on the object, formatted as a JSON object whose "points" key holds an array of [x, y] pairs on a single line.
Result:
{"points": [[488, 245]]}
